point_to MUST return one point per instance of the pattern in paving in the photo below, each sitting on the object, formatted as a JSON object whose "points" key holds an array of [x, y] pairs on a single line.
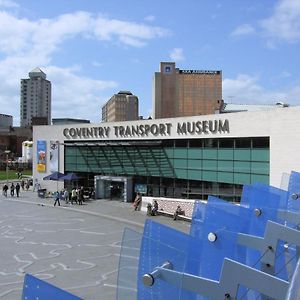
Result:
{"points": [[75, 248], [77, 253]]}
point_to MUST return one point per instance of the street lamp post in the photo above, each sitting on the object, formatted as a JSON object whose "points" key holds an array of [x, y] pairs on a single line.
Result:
{"points": [[7, 153]]}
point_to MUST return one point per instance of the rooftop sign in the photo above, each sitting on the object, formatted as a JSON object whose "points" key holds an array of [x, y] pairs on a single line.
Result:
{"points": [[199, 72], [203, 127]]}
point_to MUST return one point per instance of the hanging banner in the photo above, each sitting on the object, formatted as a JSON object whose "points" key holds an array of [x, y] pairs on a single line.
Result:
{"points": [[54, 156], [41, 156]]}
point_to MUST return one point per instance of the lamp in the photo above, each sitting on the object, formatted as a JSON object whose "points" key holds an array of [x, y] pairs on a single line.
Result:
{"points": [[7, 153]]}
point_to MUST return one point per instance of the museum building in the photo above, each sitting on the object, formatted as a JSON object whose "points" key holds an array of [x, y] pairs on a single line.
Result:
{"points": [[187, 157]]}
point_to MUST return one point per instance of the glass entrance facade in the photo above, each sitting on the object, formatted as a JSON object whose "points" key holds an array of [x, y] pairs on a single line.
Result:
{"points": [[179, 168]]}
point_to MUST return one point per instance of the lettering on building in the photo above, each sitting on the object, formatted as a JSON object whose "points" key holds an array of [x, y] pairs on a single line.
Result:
{"points": [[203, 127], [148, 130], [209, 72]]}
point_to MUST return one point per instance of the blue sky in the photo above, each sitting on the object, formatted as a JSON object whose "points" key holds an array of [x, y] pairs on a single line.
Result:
{"points": [[91, 49]]}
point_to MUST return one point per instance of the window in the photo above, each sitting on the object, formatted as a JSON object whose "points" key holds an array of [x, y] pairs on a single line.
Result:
{"points": [[226, 143], [196, 143], [260, 142], [243, 143], [210, 143], [181, 143]]}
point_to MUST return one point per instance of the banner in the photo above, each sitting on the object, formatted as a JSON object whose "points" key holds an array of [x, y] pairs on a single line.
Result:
{"points": [[54, 156], [41, 156]]}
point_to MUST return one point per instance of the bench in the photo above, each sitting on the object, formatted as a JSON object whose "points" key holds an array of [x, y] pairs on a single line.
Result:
{"points": [[171, 214], [167, 206]]}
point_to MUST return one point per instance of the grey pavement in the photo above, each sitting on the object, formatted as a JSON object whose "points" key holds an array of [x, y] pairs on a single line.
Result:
{"points": [[75, 247]]}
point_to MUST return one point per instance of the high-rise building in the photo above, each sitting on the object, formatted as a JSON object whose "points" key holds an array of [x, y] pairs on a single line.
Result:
{"points": [[123, 106], [35, 98], [179, 93]]}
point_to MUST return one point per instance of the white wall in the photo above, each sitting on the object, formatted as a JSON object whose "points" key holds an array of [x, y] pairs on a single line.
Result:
{"points": [[282, 125]]}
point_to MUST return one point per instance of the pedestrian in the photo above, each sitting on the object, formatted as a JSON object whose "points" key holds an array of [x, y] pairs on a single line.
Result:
{"points": [[5, 188], [12, 189], [66, 196], [22, 184], [27, 185], [137, 201], [178, 212], [56, 198], [36, 186], [80, 196], [155, 208], [18, 189], [74, 196]]}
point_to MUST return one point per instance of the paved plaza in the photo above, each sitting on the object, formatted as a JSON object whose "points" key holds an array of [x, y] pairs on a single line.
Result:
{"points": [[73, 247]]}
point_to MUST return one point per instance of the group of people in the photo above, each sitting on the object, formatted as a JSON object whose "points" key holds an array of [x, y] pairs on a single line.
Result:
{"points": [[70, 196], [152, 209], [14, 188]]}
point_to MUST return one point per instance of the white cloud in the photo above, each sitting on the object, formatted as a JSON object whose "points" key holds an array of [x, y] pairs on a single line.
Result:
{"points": [[97, 64], [150, 18], [8, 4], [244, 29], [25, 44], [284, 24], [246, 89], [74, 95], [177, 54], [129, 33]]}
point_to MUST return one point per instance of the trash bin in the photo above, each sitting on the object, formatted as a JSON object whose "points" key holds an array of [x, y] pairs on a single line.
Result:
{"points": [[42, 193]]}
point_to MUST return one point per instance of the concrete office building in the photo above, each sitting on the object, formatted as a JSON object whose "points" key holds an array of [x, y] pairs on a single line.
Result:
{"points": [[188, 157], [123, 106], [35, 99], [179, 93], [6, 121]]}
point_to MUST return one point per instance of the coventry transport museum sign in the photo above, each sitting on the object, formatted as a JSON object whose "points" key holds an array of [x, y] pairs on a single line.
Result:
{"points": [[148, 130]]}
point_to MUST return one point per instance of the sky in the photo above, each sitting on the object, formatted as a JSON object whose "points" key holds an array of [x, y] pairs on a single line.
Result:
{"points": [[92, 49]]}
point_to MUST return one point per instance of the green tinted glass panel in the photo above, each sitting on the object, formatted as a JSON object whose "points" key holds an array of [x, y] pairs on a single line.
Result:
{"points": [[260, 155], [242, 166], [195, 174], [209, 165], [209, 176], [225, 177], [180, 153], [210, 153], [194, 153], [225, 166], [241, 178], [194, 164], [260, 168], [181, 173], [242, 154], [180, 163], [169, 152], [70, 150], [225, 154], [260, 178]]}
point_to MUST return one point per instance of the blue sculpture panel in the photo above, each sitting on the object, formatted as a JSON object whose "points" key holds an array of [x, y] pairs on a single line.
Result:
{"points": [[294, 188], [159, 245], [34, 288], [223, 220], [128, 265]]}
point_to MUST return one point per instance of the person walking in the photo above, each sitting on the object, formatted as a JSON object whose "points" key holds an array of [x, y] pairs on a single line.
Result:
{"points": [[74, 196], [12, 189], [137, 201], [56, 198], [23, 184], [18, 189], [5, 189], [80, 196], [66, 196]]}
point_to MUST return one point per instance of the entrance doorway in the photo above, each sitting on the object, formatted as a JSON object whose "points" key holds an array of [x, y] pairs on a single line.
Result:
{"points": [[113, 188]]}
